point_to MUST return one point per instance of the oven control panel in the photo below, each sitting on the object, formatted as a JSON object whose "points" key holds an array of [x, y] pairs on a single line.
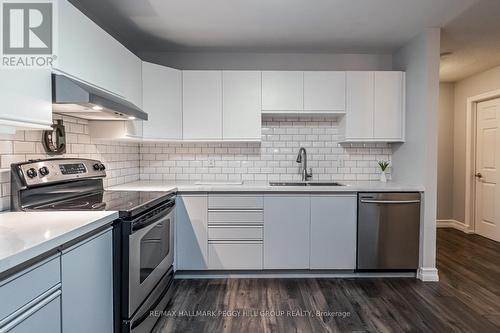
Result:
{"points": [[56, 170]]}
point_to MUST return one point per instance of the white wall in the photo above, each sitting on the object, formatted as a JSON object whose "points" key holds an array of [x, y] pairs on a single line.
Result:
{"points": [[270, 61], [445, 151], [471, 86], [416, 160]]}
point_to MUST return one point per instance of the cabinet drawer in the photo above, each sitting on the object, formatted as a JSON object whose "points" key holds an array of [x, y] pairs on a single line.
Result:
{"points": [[235, 217], [235, 233], [240, 255], [235, 202], [45, 316], [20, 289]]}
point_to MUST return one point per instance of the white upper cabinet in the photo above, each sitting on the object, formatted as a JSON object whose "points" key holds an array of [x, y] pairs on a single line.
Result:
{"points": [[26, 97], [360, 100], [162, 101], [86, 52], [202, 105], [375, 106], [324, 91], [389, 119], [282, 91], [241, 105]]}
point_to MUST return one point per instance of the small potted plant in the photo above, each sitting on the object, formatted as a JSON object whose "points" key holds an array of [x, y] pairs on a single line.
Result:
{"points": [[383, 166]]}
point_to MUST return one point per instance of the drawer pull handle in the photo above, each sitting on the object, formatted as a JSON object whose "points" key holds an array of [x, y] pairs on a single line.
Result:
{"points": [[29, 312], [235, 210]]}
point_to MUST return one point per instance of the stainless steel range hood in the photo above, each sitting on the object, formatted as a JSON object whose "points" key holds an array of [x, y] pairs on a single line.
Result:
{"points": [[74, 98]]}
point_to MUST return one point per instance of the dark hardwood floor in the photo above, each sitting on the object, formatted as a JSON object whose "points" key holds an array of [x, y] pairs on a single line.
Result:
{"points": [[467, 299]]}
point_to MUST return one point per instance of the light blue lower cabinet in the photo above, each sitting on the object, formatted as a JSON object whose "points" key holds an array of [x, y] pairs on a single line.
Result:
{"points": [[70, 292], [43, 317], [286, 232], [333, 232], [87, 286]]}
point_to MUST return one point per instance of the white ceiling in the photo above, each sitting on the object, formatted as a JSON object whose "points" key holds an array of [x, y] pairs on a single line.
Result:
{"points": [[307, 26], [474, 39]]}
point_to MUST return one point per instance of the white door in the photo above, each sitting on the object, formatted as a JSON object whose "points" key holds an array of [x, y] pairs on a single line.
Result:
{"points": [[333, 231], [162, 101], [286, 232], [191, 223], [282, 91], [324, 91], [388, 109], [202, 105], [241, 105], [88, 53], [487, 161], [360, 100]]}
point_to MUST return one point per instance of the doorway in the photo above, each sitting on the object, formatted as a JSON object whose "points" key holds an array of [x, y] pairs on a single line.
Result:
{"points": [[487, 165]]}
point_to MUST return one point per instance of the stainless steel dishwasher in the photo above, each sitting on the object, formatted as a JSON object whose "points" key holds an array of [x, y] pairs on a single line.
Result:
{"points": [[388, 231]]}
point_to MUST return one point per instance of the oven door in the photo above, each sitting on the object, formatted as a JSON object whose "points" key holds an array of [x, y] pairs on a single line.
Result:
{"points": [[151, 253]]}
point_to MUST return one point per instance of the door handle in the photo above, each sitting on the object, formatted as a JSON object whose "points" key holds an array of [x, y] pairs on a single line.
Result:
{"points": [[478, 175], [390, 202]]}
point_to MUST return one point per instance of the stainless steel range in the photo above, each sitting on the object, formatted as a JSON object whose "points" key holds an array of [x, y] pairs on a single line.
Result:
{"points": [[143, 236]]}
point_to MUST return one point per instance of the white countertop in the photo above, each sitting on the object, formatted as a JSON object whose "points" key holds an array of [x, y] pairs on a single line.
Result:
{"points": [[361, 186], [25, 235]]}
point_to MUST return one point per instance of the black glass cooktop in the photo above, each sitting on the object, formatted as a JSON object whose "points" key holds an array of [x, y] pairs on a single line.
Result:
{"points": [[128, 203]]}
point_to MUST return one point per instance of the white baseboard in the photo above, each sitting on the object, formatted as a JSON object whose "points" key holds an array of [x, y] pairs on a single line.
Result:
{"points": [[428, 274], [454, 224]]}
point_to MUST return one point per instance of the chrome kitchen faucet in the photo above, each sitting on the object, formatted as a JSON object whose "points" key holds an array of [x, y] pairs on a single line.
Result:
{"points": [[302, 159]]}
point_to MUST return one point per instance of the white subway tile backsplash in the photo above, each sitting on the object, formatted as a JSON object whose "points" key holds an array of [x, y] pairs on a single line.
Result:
{"points": [[271, 160], [121, 159]]}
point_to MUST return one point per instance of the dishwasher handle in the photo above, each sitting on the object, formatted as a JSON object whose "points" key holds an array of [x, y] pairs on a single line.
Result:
{"points": [[389, 202]]}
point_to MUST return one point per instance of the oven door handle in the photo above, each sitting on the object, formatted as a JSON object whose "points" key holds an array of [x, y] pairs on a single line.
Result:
{"points": [[157, 217]]}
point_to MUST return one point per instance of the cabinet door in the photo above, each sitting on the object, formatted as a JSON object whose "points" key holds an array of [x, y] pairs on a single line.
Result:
{"points": [[286, 232], [324, 91], [162, 101], [241, 105], [235, 255], [282, 91], [191, 227], [88, 53], [26, 97], [333, 232], [87, 286], [360, 100], [202, 105], [44, 316], [389, 108]]}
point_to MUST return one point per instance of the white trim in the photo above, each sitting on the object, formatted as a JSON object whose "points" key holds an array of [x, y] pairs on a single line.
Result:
{"points": [[454, 224], [470, 161], [288, 275], [428, 274]]}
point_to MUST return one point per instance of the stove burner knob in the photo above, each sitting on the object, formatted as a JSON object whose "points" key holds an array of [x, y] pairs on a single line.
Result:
{"points": [[96, 167], [31, 173], [102, 167], [44, 171]]}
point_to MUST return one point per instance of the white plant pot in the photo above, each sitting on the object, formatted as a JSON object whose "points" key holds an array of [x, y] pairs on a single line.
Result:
{"points": [[383, 178]]}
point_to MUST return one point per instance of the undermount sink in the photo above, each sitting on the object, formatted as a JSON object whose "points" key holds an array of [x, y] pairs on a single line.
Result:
{"points": [[305, 184]]}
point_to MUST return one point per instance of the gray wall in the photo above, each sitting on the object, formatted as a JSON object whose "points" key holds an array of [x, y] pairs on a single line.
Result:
{"points": [[416, 160], [474, 85], [270, 61], [445, 151]]}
